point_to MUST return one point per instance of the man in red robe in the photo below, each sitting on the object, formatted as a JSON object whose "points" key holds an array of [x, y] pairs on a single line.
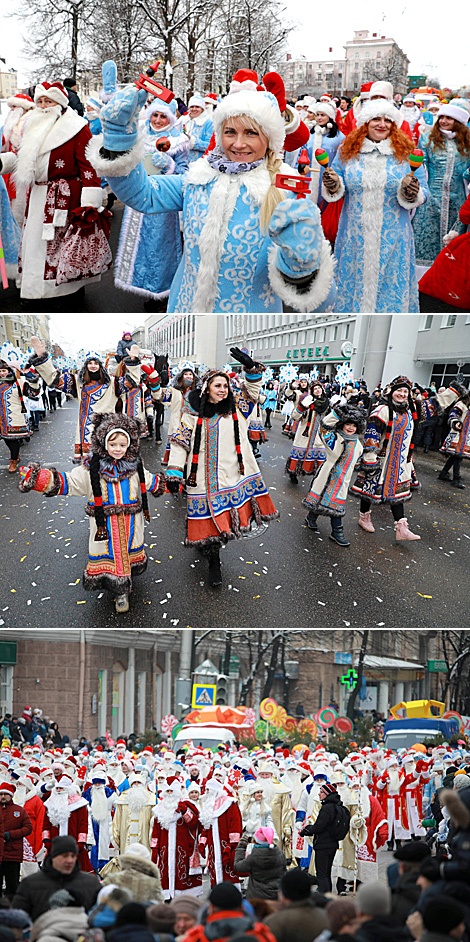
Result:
{"points": [[174, 842], [67, 813], [222, 823], [370, 809]]}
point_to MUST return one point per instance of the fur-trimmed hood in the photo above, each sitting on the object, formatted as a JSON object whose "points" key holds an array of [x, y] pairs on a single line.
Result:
{"points": [[458, 809], [104, 373], [351, 414], [107, 422], [134, 862]]}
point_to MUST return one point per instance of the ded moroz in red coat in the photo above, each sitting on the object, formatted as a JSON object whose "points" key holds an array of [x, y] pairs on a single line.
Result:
{"points": [[174, 851], [54, 178], [221, 838], [76, 826]]}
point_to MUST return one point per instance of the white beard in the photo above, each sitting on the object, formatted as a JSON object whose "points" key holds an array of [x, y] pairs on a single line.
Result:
{"points": [[268, 788], [11, 121], [20, 795], [137, 798], [58, 809], [207, 810], [166, 810], [99, 804], [40, 123]]}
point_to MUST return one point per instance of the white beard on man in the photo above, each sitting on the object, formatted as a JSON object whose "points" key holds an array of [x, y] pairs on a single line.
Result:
{"points": [[99, 804], [58, 808], [137, 798]]}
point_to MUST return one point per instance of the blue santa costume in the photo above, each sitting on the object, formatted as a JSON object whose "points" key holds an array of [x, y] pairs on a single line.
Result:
{"points": [[10, 232], [150, 246], [320, 138], [199, 129], [100, 851], [374, 246], [229, 263], [445, 169]]}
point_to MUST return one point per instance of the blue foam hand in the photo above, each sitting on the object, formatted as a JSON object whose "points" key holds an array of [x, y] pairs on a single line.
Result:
{"points": [[295, 227], [119, 118]]}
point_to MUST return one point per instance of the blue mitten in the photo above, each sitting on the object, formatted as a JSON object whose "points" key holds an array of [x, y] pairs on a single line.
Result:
{"points": [[163, 162], [119, 119], [295, 227]]}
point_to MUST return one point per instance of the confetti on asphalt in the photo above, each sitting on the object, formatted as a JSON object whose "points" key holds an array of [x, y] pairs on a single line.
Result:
{"points": [[424, 596], [321, 603], [83, 602], [23, 559]]}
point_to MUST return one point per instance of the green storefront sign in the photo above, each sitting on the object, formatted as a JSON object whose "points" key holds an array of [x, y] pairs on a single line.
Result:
{"points": [[307, 352], [437, 667], [7, 652]]}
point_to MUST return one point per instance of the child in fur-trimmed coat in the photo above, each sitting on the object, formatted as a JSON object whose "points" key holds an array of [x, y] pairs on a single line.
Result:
{"points": [[340, 431], [115, 483]]}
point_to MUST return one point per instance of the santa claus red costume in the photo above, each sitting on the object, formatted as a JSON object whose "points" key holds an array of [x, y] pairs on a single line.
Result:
{"points": [[221, 820], [412, 793], [53, 172], [12, 133], [371, 811], [67, 813], [27, 797], [174, 842], [390, 793]]}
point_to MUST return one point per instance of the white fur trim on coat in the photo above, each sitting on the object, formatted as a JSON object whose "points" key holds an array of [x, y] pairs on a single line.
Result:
{"points": [[92, 196], [294, 119], [420, 199], [309, 301], [121, 167], [8, 161]]}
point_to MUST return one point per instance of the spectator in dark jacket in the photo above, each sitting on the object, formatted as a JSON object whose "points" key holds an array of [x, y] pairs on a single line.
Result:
{"points": [[60, 870], [124, 346], [407, 891], [131, 925], [300, 917], [74, 101], [16, 825], [373, 903], [443, 921], [264, 866], [325, 843]]}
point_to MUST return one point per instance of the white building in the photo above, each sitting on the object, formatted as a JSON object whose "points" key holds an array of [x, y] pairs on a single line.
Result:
{"points": [[195, 337], [371, 57]]}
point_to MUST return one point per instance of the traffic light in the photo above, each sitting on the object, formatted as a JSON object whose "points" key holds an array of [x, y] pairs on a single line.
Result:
{"points": [[222, 691]]}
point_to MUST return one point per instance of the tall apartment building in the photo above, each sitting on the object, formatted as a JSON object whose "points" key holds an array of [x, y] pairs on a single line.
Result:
{"points": [[8, 80], [19, 329]]}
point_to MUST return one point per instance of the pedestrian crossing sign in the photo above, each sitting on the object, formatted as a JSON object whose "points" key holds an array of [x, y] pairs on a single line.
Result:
{"points": [[203, 695]]}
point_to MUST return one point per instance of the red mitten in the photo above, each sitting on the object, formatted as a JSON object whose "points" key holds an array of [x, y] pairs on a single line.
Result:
{"points": [[273, 83], [297, 138], [34, 478], [151, 373]]}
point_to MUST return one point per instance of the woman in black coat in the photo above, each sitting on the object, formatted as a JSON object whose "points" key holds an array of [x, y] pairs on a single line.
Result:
{"points": [[264, 866]]}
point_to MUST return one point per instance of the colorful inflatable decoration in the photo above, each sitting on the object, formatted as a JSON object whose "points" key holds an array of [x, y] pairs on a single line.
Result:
{"points": [[168, 723]]}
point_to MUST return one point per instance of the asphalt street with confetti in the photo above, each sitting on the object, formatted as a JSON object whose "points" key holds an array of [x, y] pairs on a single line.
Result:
{"points": [[285, 577]]}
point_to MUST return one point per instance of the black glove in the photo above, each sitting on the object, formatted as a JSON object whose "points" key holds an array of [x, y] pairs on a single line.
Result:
{"points": [[242, 358], [6, 836], [173, 485], [307, 831]]}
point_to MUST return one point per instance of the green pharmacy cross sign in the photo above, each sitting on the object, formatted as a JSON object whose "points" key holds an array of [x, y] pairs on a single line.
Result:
{"points": [[350, 679]]}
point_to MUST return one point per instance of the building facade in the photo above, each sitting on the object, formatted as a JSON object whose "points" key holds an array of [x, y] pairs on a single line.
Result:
{"points": [[8, 82], [368, 57], [19, 330], [195, 337]]}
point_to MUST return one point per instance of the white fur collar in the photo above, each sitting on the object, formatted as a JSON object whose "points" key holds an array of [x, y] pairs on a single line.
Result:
{"points": [[68, 125], [383, 147], [256, 181]]}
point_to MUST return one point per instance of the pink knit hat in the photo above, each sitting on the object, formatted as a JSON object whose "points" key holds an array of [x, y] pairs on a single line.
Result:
{"points": [[265, 836]]}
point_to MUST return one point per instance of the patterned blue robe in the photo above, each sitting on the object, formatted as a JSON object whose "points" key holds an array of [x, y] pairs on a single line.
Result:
{"points": [[9, 231], [374, 247], [440, 214]]}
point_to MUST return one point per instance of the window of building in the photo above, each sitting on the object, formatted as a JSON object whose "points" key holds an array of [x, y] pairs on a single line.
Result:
{"points": [[367, 55], [346, 330], [302, 336], [449, 320], [356, 55], [294, 337], [321, 334], [279, 340], [273, 342], [6, 689], [426, 322], [254, 344], [333, 332]]}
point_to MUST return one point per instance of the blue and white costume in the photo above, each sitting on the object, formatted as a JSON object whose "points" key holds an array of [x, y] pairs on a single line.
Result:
{"points": [[150, 246], [375, 247], [10, 232], [445, 170]]}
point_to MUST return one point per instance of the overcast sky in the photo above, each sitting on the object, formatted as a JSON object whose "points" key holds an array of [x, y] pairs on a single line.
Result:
{"points": [[434, 39], [90, 332]]}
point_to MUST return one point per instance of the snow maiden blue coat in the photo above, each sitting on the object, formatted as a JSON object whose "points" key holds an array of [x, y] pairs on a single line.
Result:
{"points": [[228, 264]]}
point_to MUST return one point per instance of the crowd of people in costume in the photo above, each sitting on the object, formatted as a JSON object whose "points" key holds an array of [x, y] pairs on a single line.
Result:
{"points": [[100, 841], [349, 441], [211, 222]]}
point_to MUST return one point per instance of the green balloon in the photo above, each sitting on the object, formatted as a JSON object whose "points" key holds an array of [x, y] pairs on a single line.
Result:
{"points": [[176, 730]]}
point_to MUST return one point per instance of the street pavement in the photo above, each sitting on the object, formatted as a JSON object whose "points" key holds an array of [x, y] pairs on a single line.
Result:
{"points": [[287, 577]]}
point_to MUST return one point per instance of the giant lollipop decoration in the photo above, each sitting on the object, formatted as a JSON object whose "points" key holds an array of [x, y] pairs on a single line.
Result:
{"points": [[415, 159], [168, 723]]}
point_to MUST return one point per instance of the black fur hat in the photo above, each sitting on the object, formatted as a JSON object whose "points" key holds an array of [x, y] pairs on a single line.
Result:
{"points": [[115, 421], [351, 414]]}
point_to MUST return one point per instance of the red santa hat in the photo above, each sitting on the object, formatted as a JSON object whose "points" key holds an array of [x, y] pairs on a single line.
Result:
{"points": [[365, 89], [54, 90], [16, 754], [20, 101], [148, 751], [245, 80], [7, 788]]}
